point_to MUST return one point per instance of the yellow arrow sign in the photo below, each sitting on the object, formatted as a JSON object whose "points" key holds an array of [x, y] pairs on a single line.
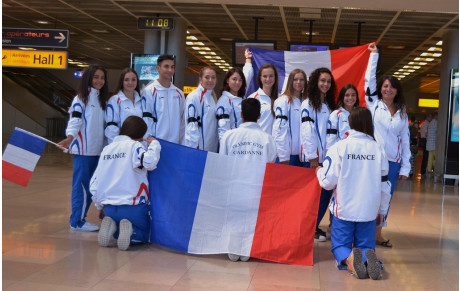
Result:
{"points": [[34, 59]]}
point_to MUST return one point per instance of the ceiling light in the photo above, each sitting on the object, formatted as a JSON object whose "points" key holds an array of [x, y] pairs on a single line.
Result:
{"points": [[27, 48], [194, 43], [412, 67], [208, 57], [436, 55], [435, 49], [212, 60], [417, 63], [396, 47], [439, 42], [197, 48], [191, 37], [42, 22], [308, 33], [100, 30], [424, 59]]}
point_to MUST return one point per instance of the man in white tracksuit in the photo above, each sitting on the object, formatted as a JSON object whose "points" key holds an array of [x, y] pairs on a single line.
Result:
{"points": [[249, 141], [123, 198], [163, 104], [356, 168]]}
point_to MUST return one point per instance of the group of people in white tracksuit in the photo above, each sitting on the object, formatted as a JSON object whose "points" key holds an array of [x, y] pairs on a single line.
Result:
{"points": [[303, 125]]}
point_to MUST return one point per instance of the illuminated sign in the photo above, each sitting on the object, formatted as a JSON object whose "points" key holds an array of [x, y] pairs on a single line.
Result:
{"points": [[188, 89], [433, 103], [32, 37], [34, 59], [78, 74], [159, 23]]}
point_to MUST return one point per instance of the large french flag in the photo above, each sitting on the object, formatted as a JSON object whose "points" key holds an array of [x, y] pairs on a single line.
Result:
{"points": [[206, 203], [348, 65], [21, 156]]}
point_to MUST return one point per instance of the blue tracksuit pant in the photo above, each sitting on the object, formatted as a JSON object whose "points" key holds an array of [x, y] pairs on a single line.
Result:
{"points": [[393, 175], [346, 235], [138, 215], [323, 201], [83, 170]]}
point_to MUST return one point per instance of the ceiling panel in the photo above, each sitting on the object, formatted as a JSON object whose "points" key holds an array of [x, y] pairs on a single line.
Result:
{"points": [[402, 34]]}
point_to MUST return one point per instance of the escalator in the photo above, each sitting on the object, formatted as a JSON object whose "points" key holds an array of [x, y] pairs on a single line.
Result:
{"points": [[50, 90], [44, 85]]}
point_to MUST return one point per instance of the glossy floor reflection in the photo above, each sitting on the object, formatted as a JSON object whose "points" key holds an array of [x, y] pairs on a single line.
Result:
{"points": [[41, 253]]}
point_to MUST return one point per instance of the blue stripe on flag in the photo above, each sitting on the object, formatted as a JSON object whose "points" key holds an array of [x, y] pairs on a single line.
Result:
{"points": [[173, 212], [27, 142], [263, 56]]}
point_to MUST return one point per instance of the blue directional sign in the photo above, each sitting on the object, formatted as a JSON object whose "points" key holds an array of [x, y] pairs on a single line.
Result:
{"points": [[32, 37]]}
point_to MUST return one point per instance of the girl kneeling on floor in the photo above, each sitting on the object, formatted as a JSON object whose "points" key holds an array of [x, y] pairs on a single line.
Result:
{"points": [[120, 187], [356, 168]]}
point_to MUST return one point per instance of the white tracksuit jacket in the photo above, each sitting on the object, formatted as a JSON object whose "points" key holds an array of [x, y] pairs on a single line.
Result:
{"points": [[286, 127], [121, 174], [228, 113], [354, 168], [163, 111], [250, 142], [392, 132], [86, 125], [266, 117], [117, 110], [201, 121], [337, 127], [313, 128]]}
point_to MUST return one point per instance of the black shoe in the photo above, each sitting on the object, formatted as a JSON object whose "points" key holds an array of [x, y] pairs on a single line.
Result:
{"points": [[320, 235]]}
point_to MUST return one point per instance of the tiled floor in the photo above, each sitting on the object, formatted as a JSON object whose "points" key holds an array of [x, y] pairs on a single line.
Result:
{"points": [[41, 253]]}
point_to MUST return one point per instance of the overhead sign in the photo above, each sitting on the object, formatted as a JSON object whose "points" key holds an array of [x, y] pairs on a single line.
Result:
{"points": [[158, 23], [32, 37], [34, 59], [188, 89]]}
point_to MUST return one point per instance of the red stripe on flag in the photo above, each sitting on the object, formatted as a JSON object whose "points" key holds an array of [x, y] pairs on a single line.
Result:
{"points": [[15, 174], [286, 221], [349, 66]]}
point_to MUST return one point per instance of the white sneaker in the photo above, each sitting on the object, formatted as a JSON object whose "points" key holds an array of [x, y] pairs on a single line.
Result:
{"points": [[108, 228], [233, 257], [88, 226], [124, 238], [244, 258]]}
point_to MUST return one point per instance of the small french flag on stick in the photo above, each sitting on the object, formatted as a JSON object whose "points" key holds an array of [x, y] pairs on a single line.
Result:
{"points": [[21, 156]]}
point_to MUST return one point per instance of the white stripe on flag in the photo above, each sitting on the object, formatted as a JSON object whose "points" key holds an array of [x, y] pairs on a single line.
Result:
{"points": [[228, 206], [20, 157], [307, 61]]}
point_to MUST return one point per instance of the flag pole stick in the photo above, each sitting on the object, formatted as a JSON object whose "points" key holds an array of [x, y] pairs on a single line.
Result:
{"points": [[40, 137]]}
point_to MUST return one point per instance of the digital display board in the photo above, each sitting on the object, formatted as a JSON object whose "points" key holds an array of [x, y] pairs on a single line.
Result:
{"points": [[239, 47], [145, 66]]}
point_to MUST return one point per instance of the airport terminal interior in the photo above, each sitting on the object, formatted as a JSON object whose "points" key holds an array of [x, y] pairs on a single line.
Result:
{"points": [[418, 43], [40, 252]]}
